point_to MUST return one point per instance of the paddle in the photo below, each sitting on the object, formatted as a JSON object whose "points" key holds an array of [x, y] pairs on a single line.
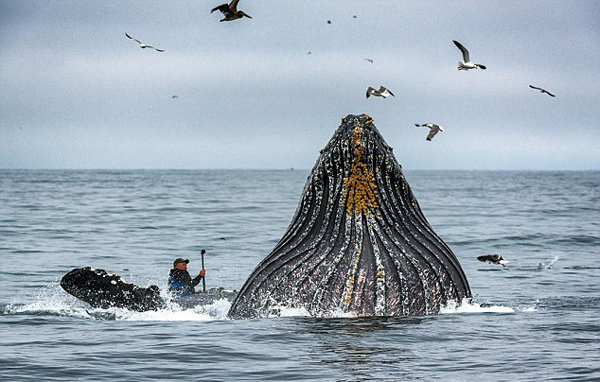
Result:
{"points": [[202, 252]]}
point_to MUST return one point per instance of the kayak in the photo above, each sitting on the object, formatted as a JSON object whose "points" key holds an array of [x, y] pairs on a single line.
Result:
{"points": [[205, 298]]}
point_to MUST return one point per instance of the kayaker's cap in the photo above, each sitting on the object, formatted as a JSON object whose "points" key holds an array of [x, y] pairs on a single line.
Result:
{"points": [[180, 260]]}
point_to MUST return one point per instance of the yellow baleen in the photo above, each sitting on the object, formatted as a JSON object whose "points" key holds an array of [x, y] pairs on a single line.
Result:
{"points": [[360, 190]]}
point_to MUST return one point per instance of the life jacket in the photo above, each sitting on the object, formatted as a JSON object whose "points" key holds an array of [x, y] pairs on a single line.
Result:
{"points": [[177, 286]]}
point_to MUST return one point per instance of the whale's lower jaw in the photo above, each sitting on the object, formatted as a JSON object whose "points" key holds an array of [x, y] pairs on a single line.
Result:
{"points": [[358, 243], [103, 290]]}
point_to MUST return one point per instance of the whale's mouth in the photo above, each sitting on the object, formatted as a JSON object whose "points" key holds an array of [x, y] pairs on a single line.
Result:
{"points": [[358, 242], [103, 290]]}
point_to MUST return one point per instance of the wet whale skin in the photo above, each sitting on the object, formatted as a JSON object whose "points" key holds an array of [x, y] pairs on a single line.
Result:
{"points": [[103, 290]]}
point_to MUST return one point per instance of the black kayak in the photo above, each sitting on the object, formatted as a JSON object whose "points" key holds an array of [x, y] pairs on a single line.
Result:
{"points": [[103, 290], [205, 298]]}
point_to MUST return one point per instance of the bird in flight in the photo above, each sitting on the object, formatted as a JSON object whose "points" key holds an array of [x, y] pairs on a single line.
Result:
{"points": [[493, 259], [369, 60], [230, 11], [433, 129], [382, 92], [542, 90], [467, 64], [142, 45]]}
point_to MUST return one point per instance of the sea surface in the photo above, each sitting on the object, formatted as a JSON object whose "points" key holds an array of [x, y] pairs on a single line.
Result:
{"points": [[536, 320]]}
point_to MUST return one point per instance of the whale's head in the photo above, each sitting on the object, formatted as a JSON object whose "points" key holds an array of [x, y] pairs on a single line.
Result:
{"points": [[358, 242]]}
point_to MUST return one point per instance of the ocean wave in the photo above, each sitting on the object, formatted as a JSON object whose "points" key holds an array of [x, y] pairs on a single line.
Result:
{"points": [[577, 240]]}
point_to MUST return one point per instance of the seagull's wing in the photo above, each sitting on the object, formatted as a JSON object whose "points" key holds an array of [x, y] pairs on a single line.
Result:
{"points": [[431, 134], [245, 14], [533, 87], [233, 5], [159, 50], [550, 94], [416, 124], [383, 89], [464, 51], [369, 90], [134, 39]]}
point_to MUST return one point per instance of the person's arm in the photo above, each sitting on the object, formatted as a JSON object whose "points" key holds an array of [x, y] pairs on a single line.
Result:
{"points": [[200, 276]]}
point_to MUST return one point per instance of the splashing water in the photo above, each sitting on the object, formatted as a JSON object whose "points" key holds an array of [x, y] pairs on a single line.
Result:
{"points": [[53, 301], [466, 306], [550, 264]]}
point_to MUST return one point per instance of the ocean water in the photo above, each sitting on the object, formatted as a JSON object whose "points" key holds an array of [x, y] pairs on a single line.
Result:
{"points": [[536, 320]]}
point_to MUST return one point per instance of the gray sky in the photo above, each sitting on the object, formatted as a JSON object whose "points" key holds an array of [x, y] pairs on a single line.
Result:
{"points": [[76, 93]]}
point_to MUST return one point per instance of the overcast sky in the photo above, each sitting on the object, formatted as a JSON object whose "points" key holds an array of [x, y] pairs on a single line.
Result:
{"points": [[76, 93]]}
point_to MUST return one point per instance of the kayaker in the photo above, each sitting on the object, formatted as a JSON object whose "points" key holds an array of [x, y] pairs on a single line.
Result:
{"points": [[180, 281]]}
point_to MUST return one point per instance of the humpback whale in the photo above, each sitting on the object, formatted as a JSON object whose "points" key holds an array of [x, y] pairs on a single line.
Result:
{"points": [[358, 242], [103, 290]]}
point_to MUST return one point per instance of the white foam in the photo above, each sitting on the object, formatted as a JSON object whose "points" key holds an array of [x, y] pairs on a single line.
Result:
{"points": [[53, 301], [173, 312], [472, 307], [47, 308], [550, 263], [50, 301], [529, 309], [215, 311], [291, 312], [339, 313]]}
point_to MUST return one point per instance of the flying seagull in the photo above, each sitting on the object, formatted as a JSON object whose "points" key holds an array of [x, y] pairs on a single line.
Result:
{"points": [[382, 92], [433, 129], [542, 90], [369, 60], [467, 64], [230, 11], [493, 259], [142, 45]]}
